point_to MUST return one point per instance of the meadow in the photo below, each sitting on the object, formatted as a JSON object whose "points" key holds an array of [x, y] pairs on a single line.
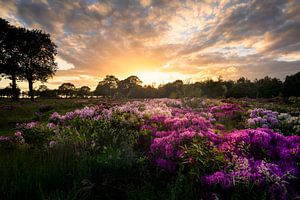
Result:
{"points": [[189, 148]]}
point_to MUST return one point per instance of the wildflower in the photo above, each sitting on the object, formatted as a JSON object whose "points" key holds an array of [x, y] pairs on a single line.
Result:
{"points": [[52, 143]]}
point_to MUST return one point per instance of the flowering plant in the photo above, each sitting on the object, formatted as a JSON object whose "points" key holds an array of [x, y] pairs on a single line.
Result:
{"points": [[227, 110], [263, 118], [34, 133]]}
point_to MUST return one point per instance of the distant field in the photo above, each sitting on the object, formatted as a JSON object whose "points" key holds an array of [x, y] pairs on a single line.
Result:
{"points": [[150, 149], [27, 111]]}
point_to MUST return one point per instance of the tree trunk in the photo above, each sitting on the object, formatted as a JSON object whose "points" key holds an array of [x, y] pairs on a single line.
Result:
{"points": [[30, 85], [15, 95]]}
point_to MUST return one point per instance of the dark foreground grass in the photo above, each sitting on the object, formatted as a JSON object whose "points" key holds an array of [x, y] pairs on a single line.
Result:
{"points": [[35, 174], [66, 172]]}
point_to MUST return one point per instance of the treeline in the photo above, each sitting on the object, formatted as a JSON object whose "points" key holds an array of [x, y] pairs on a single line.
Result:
{"points": [[267, 87], [131, 87]]}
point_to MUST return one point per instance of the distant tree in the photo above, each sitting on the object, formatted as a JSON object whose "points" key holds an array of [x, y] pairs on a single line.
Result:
{"points": [[107, 87], [129, 86], [42, 88], [229, 84], [9, 54], [83, 92], [8, 92], [291, 85], [268, 87], [44, 92], [213, 89], [192, 90], [38, 56], [171, 90], [149, 92], [67, 89], [242, 88]]}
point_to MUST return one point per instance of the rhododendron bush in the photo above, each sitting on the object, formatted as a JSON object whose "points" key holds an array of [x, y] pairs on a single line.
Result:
{"points": [[188, 139]]}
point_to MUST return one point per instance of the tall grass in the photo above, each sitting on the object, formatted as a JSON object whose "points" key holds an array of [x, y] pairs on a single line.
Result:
{"points": [[35, 174]]}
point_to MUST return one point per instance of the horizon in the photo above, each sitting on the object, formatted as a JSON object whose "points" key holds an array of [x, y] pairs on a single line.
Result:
{"points": [[161, 41]]}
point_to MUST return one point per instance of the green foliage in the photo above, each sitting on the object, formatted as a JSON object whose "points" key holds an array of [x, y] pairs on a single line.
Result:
{"points": [[38, 136], [268, 87], [291, 85], [242, 88], [201, 157], [107, 87]]}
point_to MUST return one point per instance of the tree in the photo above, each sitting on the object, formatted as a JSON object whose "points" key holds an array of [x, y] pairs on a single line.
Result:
{"points": [[44, 92], [291, 85], [9, 54], [67, 89], [192, 90], [83, 91], [214, 89], [8, 92], [268, 87], [37, 60], [128, 86], [107, 87], [242, 88], [172, 90]]}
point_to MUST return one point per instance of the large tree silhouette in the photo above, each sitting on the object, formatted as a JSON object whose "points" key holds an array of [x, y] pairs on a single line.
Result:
{"points": [[38, 55], [9, 54], [26, 55]]}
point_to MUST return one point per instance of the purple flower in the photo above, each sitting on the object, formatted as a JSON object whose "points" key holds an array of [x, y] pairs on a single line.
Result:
{"points": [[18, 134], [263, 118], [221, 178], [51, 125], [166, 164], [52, 143], [5, 138]]}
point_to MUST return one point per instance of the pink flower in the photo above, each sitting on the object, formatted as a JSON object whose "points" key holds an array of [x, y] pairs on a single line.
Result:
{"points": [[18, 134], [52, 143]]}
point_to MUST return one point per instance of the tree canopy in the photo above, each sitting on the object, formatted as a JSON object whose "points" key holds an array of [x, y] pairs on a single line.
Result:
{"points": [[26, 55]]}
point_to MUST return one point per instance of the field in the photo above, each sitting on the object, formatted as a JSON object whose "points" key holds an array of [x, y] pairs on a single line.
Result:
{"points": [[191, 148], [25, 111]]}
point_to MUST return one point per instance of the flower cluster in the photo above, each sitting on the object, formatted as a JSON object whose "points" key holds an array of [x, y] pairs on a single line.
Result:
{"points": [[259, 173], [262, 157], [289, 124], [263, 118], [147, 108], [8, 142], [4, 139], [85, 113], [226, 110], [170, 133]]}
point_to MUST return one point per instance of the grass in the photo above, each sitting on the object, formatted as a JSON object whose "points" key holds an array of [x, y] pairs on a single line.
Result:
{"points": [[35, 174], [25, 111]]}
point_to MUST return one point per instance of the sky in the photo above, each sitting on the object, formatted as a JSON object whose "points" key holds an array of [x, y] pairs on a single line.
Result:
{"points": [[164, 40]]}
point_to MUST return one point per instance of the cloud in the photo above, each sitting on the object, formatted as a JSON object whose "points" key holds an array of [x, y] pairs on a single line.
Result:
{"points": [[63, 65], [189, 38]]}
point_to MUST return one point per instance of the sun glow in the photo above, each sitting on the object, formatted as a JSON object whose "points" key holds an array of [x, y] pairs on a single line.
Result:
{"points": [[157, 77]]}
